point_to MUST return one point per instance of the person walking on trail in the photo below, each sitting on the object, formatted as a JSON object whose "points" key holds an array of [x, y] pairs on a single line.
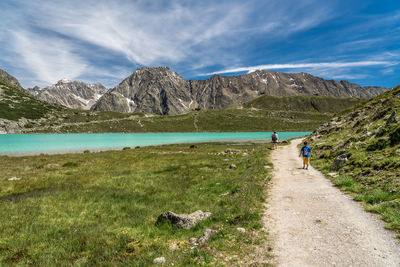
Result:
{"points": [[275, 140], [306, 152]]}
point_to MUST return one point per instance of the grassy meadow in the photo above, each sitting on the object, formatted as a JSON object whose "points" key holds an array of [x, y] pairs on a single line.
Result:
{"points": [[100, 208]]}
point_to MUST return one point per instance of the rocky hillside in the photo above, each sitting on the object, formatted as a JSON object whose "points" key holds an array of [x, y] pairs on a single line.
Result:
{"points": [[163, 91], [18, 109], [71, 94], [360, 150], [7, 78]]}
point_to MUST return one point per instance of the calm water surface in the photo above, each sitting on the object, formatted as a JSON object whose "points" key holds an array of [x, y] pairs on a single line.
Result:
{"points": [[31, 143]]}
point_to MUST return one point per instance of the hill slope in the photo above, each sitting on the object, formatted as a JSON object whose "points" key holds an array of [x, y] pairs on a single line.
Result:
{"points": [[163, 91], [17, 107], [363, 145], [322, 104]]}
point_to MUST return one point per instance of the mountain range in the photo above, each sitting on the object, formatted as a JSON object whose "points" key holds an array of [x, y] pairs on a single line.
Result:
{"points": [[164, 92]]}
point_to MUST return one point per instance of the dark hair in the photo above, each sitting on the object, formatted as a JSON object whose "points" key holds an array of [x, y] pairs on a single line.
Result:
{"points": [[305, 142], [274, 132]]}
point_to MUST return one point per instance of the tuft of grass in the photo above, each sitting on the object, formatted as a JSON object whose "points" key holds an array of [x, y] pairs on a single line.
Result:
{"points": [[70, 164]]}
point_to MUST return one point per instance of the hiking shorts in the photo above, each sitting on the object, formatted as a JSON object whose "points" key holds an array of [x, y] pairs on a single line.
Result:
{"points": [[306, 160]]}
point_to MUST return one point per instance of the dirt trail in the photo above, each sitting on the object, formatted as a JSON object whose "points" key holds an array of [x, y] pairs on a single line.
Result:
{"points": [[312, 223]]}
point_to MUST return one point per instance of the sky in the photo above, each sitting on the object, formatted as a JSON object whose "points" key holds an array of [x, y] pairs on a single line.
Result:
{"points": [[43, 41]]}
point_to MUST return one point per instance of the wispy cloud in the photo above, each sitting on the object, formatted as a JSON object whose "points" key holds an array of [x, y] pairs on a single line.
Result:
{"points": [[188, 33], [49, 59], [321, 65], [105, 40]]}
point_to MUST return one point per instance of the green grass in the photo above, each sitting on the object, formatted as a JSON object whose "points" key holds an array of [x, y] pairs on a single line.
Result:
{"points": [[227, 120], [101, 208], [322, 104], [371, 174]]}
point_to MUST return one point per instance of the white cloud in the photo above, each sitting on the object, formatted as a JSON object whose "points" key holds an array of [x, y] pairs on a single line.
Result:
{"points": [[321, 65], [188, 33], [49, 59]]}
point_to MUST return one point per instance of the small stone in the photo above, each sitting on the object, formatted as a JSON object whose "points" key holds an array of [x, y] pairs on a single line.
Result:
{"points": [[173, 247], [14, 179], [206, 236], [338, 162], [160, 260], [267, 167], [241, 230], [232, 166], [193, 241], [333, 174], [245, 154], [224, 194]]}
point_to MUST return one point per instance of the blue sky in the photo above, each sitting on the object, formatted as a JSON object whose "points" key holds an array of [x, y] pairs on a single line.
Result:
{"points": [[44, 41]]}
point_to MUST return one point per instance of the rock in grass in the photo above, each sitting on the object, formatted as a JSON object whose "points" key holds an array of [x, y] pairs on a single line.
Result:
{"points": [[338, 162], [159, 260], [232, 166], [206, 236], [185, 221], [333, 174], [193, 241], [14, 179], [241, 230], [173, 247]]}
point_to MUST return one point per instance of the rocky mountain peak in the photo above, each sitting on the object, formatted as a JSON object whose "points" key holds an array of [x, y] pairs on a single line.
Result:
{"points": [[72, 94]]}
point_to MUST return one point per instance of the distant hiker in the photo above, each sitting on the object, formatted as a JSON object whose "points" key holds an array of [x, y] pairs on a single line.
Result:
{"points": [[275, 140], [306, 152]]}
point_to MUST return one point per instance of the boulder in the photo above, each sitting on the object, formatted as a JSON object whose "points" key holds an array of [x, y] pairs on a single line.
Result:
{"points": [[338, 162], [206, 236], [185, 221]]}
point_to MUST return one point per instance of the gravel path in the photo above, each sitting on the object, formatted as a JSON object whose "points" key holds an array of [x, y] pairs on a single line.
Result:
{"points": [[312, 223]]}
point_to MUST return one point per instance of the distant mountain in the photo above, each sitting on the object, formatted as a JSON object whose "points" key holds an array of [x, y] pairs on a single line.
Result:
{"points": [[72, 94], [163, 91]]}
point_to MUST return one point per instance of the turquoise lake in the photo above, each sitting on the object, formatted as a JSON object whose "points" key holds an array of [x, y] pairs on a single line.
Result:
{"points": [[38, 143]]}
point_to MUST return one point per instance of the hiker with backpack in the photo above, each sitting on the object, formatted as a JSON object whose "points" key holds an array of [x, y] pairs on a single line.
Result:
{"points": [[275, 140]]}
